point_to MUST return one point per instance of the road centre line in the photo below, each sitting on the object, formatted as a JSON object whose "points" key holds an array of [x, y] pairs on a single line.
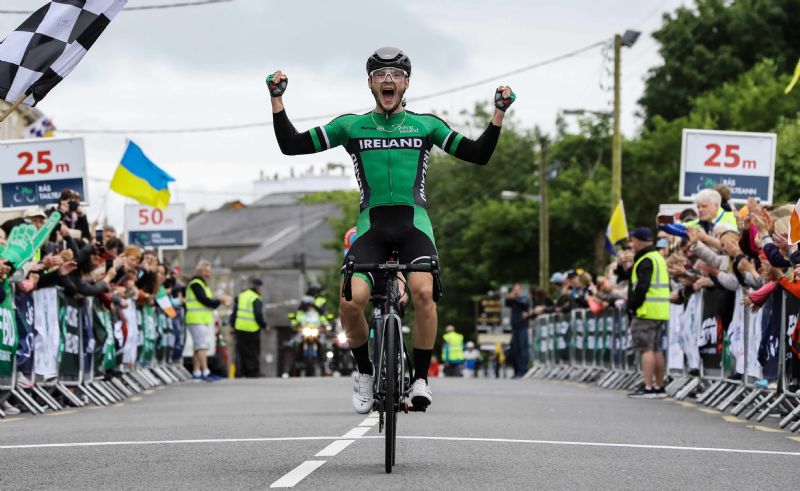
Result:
{"points": [[297, 474], [334, 448], [404, 437], [357, 432]]}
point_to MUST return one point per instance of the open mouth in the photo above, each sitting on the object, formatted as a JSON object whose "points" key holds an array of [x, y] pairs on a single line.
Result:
{"points": [[387, 94]]}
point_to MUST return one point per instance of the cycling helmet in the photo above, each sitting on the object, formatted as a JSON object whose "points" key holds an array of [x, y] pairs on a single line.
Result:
{"points": [[388, 57]]}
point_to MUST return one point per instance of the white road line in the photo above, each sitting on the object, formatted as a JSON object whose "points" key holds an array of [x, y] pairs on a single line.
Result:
{"points": [[297, 474], [369, 422], [357, 432], [334, 448], [361, 430], [167, 442], [594, 444]]}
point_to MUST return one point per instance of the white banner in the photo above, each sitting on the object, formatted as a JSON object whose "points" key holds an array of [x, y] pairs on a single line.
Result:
{"points": [[745, 162], [132, 341], [675, 361], [47, 332], [33, 172], [151, 227]]}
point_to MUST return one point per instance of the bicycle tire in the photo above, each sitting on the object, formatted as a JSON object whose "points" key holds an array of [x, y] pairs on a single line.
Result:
{"points": [[391, 401]]}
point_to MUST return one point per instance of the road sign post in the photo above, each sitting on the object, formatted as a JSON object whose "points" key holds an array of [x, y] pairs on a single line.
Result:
{"points": [[745, 162], [34, 172], [160, 229]]}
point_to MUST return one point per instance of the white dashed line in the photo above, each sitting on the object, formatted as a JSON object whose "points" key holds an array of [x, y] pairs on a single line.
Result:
{"points": [[297, 474], [357, 432], [369, 422], [334, 448]]}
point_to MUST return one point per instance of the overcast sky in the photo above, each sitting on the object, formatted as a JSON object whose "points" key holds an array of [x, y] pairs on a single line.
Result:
{"points": [[205, 66]]}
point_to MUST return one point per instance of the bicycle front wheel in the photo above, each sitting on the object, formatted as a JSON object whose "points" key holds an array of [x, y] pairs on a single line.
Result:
{"points": [[391, 350]]}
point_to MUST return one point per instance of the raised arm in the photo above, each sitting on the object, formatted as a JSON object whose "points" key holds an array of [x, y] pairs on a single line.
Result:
{"points": [[478, 151], [290, 141]]}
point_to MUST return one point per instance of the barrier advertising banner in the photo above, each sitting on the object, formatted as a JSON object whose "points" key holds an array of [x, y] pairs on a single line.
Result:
{"points": [[745, 162], [34, 172], [152, 227], [8, 333]]}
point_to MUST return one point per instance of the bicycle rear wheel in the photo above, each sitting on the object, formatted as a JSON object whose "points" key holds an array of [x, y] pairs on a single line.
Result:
{"points": [[391, 348]]}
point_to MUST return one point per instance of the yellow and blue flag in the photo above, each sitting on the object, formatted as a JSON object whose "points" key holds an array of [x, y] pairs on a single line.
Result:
{"points": [[139, 178], [617, 229]]}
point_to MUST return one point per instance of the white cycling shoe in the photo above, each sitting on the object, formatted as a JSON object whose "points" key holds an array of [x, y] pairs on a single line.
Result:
{"points": [[362, 392], [421, 395]]}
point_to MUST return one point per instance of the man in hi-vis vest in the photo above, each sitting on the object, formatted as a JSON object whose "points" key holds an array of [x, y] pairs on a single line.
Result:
{"points": [[648, 303], [247, 320], [200, 305]]}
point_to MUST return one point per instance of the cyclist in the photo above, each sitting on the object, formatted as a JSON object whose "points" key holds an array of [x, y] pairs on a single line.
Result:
{"points": [[389, 147]]}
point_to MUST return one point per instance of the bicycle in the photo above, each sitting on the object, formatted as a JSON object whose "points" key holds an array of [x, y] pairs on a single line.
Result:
{"points": [[389, 354]]}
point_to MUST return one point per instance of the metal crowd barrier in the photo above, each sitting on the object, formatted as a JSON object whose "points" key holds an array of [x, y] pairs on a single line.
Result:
{"points": [[89, 372], [584, 347]]}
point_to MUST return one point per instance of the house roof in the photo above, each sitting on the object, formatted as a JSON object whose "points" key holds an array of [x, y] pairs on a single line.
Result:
{"points": [[279, 229]]}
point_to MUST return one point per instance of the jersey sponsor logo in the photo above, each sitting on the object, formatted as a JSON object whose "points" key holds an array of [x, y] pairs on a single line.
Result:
{"points": [[389, 143], [358, 179], [424, 173]]}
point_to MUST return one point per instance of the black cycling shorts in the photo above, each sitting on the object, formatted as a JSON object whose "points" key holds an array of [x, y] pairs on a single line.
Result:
{"points": [[388, 229]]}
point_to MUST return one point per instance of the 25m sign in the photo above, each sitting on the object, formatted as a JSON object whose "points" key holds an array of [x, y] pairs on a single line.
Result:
{"points": [[744, 162], [34, 172]]}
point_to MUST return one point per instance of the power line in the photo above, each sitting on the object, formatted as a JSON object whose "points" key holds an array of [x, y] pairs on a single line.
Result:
{"points": [[140, 7], [241, 126]]}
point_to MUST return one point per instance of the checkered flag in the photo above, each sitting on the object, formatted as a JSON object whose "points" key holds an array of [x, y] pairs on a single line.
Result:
{"points": [[48, 45]]}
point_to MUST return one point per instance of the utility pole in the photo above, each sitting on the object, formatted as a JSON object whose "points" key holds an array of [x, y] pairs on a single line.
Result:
{"points": [[616, 142], [627, 39], [544, 215]]}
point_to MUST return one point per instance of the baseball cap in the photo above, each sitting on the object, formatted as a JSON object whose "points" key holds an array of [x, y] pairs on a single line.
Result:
{"points": [[557, 278], [34, 212], [256, 282], [642, 233]]}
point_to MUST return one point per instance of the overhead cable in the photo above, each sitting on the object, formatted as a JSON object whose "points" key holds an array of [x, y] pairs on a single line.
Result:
{"points": [[139, 7], [208, 129]]}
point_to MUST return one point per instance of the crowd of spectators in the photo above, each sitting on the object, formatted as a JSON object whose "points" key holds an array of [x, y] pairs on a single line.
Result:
{"points": [[85, 260], [741, 255]]}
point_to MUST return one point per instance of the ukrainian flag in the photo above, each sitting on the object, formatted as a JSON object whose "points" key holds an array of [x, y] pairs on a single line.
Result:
{"points": [[139, 178], [617, 229]]}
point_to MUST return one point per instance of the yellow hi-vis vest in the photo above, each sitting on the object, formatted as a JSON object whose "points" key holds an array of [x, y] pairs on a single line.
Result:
{"points": [[245, 315], [196, 312], [722, 216], [453, 351], [656, 303]]}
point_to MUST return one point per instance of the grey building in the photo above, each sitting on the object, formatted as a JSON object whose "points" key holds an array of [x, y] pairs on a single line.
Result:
{"points": [[277, 239]]}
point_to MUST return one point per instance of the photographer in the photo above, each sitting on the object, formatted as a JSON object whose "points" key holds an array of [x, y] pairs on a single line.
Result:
{"points": [[74, 218]]}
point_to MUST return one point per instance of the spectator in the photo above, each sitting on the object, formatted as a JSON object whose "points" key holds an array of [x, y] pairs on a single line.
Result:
{"points": [[109, 232], [452, 352], [648, 303], [200, 306], [247, 320], [73, 216], [472, 359], [710, 212], [520, 306]]}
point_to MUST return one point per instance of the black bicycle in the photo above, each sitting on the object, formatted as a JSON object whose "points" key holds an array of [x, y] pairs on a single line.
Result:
{"points": [[393, 374]]}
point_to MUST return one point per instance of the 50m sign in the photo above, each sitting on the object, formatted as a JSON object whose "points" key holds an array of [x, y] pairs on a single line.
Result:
{"points": [[742, 161]]}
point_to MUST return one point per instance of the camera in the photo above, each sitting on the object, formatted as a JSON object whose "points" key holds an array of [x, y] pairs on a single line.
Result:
{"points": [[73, 204]]}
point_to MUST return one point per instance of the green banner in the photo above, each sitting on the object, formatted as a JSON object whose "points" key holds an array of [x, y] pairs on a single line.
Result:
{"points": [[25, 240], [8, 328], [148, 325], [69, 317], [106, 355]]}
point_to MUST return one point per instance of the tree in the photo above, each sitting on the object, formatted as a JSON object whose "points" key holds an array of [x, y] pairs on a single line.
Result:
{"points": [[714, 43]]}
